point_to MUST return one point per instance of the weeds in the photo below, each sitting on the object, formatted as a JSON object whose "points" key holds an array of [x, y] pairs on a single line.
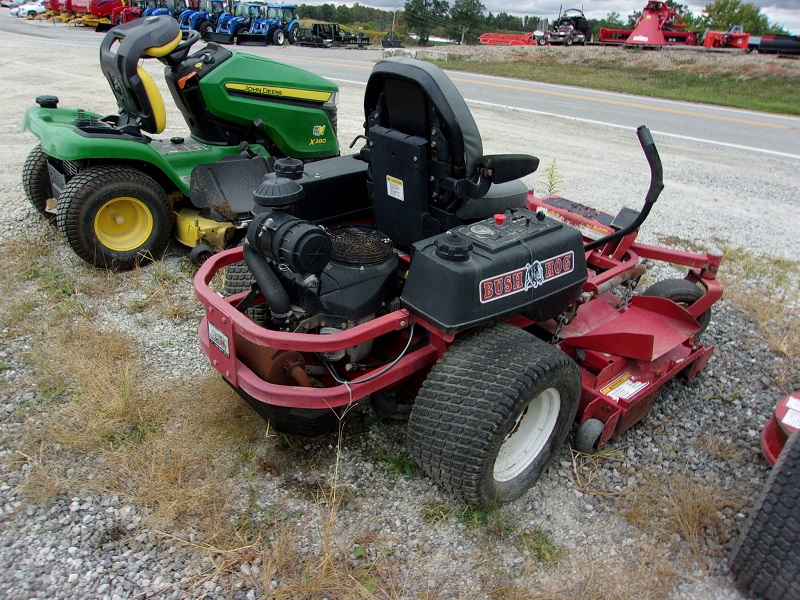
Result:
{"points": [[402, 463], [552, 179]]}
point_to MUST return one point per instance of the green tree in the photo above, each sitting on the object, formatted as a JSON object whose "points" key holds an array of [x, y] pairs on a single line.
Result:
{"points": [[466, 20], [423, 17], [721, 14]]}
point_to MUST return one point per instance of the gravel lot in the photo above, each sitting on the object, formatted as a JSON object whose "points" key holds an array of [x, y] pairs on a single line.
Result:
{"points": [[704, 434]]}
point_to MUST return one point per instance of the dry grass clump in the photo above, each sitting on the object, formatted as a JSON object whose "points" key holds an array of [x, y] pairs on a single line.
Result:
{"points": [[170, 445], [682, 504]]}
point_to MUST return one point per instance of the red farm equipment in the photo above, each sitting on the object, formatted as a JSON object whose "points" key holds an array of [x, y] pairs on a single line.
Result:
{"points": [[424, 276], [508, 39], [734, 38], [659, 25], [83, 12]]}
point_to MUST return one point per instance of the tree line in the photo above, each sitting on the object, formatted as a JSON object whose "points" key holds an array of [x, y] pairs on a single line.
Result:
{"points": [[465, 20]]}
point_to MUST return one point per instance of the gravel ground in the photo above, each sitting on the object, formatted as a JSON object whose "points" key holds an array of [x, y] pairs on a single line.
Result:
{"points": [[702, 435]]}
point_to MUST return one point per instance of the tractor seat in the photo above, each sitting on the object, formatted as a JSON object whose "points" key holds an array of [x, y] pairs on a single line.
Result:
{"points": [[140, 103], [425, 151]]}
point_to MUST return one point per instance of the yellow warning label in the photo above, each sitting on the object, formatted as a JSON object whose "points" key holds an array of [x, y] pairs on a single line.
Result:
{"points": [[624, 387]]}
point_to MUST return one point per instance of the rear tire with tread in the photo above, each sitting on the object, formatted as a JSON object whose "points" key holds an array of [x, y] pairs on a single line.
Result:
{"points": [[492, 389], [238, 278], [766, 557], [36, 181], [115, 217]]}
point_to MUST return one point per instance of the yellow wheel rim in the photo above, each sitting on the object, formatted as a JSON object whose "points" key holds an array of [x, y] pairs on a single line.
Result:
{"points": [[123, 224]]}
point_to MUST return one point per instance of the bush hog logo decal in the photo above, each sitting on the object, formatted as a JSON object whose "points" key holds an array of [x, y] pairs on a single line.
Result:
{"points": [[531, 276]]}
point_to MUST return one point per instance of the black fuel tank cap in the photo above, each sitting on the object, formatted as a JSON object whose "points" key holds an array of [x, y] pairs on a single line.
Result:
{"points": [[453, 246]]}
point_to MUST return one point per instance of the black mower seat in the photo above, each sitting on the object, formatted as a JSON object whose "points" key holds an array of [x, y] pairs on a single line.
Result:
{"points": [[417, 99], [140, 103]]}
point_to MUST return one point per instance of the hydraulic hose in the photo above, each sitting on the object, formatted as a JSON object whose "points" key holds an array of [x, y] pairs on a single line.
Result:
{"points": [[656, 186], [277, 299]]}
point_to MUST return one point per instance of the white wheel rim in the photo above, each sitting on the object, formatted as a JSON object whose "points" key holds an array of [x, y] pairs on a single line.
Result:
{"points": [[528, 436]]}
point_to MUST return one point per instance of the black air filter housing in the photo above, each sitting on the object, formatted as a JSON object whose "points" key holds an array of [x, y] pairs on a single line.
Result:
{"points": [[519, 261]]}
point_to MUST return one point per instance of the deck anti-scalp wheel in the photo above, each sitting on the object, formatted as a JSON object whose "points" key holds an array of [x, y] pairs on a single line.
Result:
{"points": [[681, 292], [492, 413], [115, 217], [36, 182]]}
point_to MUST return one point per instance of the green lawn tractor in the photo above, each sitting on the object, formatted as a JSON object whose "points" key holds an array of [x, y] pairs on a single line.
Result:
{"points": [[117, 193]]}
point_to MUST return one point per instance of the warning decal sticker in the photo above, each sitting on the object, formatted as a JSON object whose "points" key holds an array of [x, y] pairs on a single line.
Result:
{"points": [[394, 187], [624, 387]]}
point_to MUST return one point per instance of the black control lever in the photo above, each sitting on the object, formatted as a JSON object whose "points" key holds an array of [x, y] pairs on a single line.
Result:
{"points": [[656, 186]]}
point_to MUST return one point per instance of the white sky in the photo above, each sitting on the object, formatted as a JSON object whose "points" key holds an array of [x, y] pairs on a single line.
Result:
{"points": [[785, 13]]}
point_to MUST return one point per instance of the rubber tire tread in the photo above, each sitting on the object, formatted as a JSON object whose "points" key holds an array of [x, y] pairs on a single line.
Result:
{"points": [[238, 278], [36, 181], [79, 191], [680, 291], [766, 557], [293, 35], [460, 413]]}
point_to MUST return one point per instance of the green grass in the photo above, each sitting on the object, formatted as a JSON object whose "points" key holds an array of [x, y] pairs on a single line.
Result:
{"points": [[687, 81]]}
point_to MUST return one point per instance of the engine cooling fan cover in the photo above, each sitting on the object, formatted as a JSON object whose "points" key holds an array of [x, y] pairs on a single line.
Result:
{"points": [[359, 245]]}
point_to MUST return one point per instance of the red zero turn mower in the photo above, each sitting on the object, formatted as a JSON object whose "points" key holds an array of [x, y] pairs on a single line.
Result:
{"points": [[497, 318], [784, 422]]}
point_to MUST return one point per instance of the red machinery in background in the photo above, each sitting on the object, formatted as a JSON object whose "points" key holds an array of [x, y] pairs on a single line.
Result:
{"points": [[659, 25], [735, 37]]}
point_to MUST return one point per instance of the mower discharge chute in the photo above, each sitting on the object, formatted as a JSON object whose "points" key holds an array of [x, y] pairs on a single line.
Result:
{"points": [[494, 316], [118, 193]]}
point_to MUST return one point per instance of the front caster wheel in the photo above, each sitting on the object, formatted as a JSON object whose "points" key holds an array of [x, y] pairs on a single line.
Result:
{"points": [[492, 413], [115, 217], [588, 435]]}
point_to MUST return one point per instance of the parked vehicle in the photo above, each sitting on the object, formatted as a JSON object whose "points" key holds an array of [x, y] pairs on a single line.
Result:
{"points": [[490, 316], [329, 35], [205, 18], [30, 10], [117, 192], [571, 27], [230, 25]]}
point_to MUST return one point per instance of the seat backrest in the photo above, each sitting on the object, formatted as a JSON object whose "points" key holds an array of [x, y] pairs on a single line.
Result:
{"points": [[420, 133], [139, 101]]}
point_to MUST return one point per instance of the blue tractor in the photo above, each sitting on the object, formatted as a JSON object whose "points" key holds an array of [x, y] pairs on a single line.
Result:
{"points": [[172, 8], [205, 18], [230, 25], [275, 24]]}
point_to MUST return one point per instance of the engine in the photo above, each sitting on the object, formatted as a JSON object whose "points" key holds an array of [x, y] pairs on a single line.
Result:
{"points": [[319, 280]]}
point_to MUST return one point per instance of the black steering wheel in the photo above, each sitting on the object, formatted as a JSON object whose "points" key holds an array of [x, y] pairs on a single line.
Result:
{"points": [[191, 36]]}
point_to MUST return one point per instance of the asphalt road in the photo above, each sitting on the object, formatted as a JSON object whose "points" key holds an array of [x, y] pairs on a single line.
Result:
{"points": [[747, 130]]}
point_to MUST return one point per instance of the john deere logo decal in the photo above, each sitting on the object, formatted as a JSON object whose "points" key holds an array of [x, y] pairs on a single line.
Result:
{"points": [[319, 130], [282, 92], [531, 276]]}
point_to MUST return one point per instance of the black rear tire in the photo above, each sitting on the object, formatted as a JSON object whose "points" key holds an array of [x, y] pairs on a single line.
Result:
{"points": [[766, 557], [492, 413], [293, 35], [36, 182], [238, 278], [115, 217], [681, 292]]}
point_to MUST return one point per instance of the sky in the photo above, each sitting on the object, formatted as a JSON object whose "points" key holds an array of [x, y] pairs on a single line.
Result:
{"points": [[782, 12]]}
